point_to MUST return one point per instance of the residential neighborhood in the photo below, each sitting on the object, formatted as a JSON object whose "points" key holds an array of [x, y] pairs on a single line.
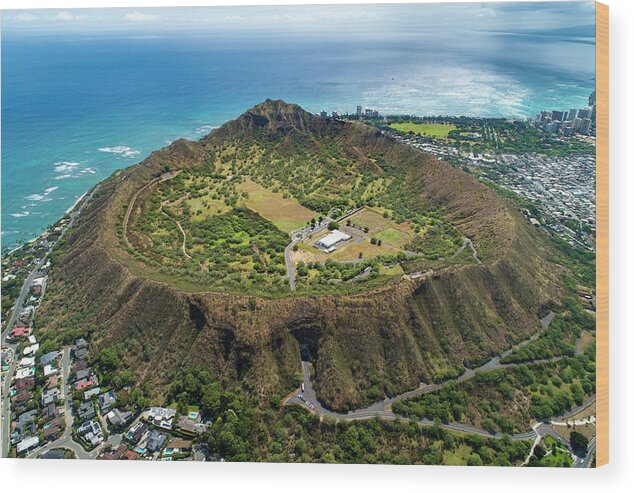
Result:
{"points": [[53, 404], [563, 188], [58, 404]]}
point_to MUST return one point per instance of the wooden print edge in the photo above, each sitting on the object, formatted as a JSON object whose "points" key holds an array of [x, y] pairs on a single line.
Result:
{"points": [[602, 221]]}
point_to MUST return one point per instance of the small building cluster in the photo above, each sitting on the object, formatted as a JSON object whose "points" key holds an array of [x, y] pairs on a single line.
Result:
{"points": [[569, 122], [329, 242]]}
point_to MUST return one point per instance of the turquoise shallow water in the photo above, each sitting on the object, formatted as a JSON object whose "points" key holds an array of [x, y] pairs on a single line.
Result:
{"points": [[76, 107]]}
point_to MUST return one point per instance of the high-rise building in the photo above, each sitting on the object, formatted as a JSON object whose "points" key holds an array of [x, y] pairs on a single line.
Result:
{"points": [[583, 113], [577, 124], [592, 100], [585, 126], [323, 114], [558, 115], [368, 113], [359, 111], [375, 114], [572, 114]]}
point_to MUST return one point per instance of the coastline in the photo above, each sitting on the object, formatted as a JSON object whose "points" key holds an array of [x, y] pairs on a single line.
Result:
{"points": [[48, 228], [79, 199]]}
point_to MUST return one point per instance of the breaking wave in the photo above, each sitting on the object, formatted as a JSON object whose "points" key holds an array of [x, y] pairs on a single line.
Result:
{"points": [[123, 151]]}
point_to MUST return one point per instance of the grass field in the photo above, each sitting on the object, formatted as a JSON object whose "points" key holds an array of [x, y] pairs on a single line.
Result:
{"points": [[202, 207], [369, 218], [350, 251], [435, 130], [393, 236], [287, 214], [382, 228]]}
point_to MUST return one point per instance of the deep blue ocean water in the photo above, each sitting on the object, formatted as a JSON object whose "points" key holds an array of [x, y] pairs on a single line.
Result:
{"points": [[76, 107]]}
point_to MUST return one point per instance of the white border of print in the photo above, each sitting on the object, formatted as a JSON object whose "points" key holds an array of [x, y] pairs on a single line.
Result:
{"points": [[109, 477]]}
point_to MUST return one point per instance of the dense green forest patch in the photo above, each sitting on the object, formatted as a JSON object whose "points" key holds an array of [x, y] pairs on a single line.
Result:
{"points": [[245, 431], [508, 399]]}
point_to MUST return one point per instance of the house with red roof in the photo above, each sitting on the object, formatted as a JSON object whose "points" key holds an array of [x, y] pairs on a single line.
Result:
{"points": [[19, 332], [86, 383]]}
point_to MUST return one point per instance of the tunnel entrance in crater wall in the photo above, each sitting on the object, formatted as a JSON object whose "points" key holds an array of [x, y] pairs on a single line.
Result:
{"points": [[307, 336]]}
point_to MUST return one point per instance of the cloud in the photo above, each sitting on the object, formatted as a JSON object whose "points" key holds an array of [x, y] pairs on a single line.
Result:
{"points": [[67, 16], [26, 17], [139, 16]]}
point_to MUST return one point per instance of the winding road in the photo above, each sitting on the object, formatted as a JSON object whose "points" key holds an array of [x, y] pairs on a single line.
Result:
{"points": [[383, 409], [467, 242]]}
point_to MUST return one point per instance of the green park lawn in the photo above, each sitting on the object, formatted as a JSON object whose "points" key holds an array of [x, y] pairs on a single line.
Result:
{"points": [[435, 130], [286, 213]]}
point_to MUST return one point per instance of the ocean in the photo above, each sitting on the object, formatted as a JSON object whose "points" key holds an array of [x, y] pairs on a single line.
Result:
{"points": [[76, 106]]}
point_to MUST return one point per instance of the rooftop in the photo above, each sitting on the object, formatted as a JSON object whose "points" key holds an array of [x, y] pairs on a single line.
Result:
{"points": [[333, 238]]}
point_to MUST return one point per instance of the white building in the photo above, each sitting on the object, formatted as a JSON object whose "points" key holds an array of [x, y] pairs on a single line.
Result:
{"points": [[28, 444], [332, 239], [27, 362], [31, 349], [24, 373]]}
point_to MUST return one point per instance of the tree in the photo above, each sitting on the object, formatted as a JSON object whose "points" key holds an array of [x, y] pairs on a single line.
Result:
{"points": [[333, 225], [579, 443]]}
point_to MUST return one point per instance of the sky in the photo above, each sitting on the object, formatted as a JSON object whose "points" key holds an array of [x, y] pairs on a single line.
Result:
{"points": [[308, 19]]}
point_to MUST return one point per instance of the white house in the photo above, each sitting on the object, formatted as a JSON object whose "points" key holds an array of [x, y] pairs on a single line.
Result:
{"points": [[332, 239], [27, 362], [28, 444]]}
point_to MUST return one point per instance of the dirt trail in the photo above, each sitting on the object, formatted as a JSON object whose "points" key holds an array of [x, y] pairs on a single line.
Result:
{"points": [[183, 246]]}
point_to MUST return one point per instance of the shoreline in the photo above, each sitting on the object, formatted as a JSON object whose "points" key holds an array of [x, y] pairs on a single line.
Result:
{"points": [[48, 228], [79, 199], [194, 135]]}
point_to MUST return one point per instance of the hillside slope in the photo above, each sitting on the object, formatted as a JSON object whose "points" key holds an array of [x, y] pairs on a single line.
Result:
{"points": [[364, 346]]}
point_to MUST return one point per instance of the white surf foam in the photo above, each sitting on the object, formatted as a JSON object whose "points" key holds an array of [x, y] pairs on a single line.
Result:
{"points": [[65, 166], [124, 151], [205, 129]]}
